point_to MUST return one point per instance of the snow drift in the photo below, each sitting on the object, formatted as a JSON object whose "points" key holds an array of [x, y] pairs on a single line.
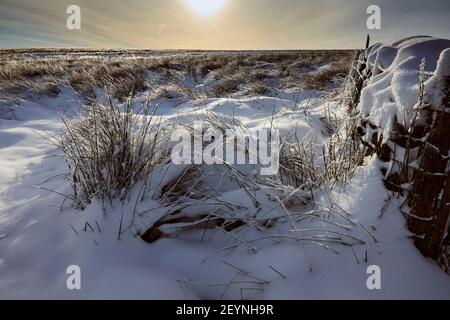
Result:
{"points": [[394, 71], [403, 111]]}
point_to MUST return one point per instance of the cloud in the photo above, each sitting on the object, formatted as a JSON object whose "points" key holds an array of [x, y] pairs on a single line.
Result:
{"points": [[242, 24]]}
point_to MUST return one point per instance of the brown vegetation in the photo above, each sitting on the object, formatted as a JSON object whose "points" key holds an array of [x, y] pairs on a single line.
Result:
{"points": [[124, 72]]}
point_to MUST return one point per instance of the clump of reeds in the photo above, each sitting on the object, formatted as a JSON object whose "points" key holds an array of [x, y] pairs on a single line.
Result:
{"points": [[307, 163], [109, 150]]}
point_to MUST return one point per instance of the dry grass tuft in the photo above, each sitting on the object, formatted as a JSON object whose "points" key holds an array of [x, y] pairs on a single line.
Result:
{"points": [[108, 150]]}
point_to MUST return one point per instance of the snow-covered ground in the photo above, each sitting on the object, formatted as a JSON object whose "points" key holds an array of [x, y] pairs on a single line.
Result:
{"points": [[397, 68], [39, 238]]}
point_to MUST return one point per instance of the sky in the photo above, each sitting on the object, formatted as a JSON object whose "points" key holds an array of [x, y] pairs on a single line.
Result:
{"points": [[237, 25]]}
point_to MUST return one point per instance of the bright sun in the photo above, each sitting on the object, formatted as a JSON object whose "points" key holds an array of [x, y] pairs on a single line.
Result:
{"points": [[205, 7]]}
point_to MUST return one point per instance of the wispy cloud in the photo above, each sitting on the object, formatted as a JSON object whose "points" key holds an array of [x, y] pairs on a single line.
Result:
{"points": [[242, 24]]}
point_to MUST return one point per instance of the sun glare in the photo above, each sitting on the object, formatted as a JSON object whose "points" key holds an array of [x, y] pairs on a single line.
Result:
{"points": [[205, 7]]}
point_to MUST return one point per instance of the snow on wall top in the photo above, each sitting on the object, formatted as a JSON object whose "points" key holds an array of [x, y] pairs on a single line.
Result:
{"points": [[391, 93]]}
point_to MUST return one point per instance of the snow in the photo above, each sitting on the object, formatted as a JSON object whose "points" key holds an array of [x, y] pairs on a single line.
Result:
{"points": [[391, 94], [39, 238], [435, 84]]}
